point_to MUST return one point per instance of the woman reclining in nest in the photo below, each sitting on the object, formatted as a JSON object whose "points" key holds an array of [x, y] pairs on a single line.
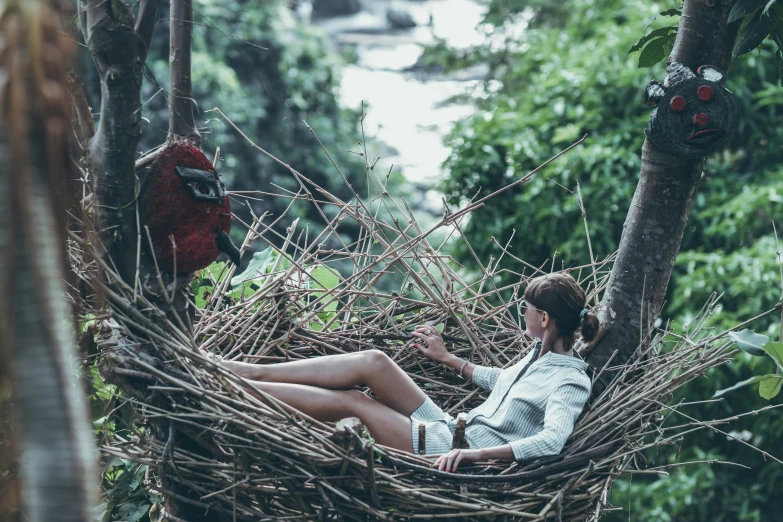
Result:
{"points": [[530, 411]]}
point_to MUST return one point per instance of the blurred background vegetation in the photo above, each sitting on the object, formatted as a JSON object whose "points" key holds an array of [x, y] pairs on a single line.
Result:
{"points": [[554, 71]]}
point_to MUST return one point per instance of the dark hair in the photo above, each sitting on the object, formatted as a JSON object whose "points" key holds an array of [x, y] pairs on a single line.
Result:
{"points": [[563, 299]]}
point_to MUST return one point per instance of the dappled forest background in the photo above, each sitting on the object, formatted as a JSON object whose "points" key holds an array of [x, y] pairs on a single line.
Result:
{"points": [[566, 74]]}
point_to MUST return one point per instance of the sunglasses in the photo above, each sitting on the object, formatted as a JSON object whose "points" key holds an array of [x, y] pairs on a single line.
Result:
{"points": [[524, 306]]}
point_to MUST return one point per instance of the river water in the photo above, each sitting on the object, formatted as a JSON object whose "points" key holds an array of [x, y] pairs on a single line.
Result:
{"points": [[408, 111]]}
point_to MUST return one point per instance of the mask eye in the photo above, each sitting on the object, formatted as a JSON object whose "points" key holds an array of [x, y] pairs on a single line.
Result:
{"points": [[677, 103], [204, 191], [203, 185], [704, 93]]}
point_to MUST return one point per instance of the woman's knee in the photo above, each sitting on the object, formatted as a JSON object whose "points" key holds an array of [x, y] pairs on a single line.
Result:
{"points": [[354, 403], [377, 360]]}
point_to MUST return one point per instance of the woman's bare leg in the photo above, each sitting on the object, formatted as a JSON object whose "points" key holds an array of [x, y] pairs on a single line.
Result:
{"points": [[387, 426], [373, 368]]}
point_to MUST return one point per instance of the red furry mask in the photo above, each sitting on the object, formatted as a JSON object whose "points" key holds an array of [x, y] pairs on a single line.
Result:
{"points": [[184, 199]]}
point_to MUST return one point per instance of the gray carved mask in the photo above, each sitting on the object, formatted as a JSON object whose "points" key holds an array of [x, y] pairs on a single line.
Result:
{"points": [[695, 113]]}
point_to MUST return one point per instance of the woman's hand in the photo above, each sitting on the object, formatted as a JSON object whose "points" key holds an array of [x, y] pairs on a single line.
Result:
{"points": [[449, 461], [432, 343]]}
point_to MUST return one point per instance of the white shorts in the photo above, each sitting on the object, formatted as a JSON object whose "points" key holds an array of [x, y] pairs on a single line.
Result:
{"points": [[439, 428]]}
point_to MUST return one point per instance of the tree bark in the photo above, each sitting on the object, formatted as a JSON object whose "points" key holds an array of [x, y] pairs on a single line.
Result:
{"points": [[119, 53], [146, 19], [653, 229], [182, 124]]}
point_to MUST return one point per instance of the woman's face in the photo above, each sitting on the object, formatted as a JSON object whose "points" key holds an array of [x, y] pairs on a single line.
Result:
{"points": [[533, 321]]}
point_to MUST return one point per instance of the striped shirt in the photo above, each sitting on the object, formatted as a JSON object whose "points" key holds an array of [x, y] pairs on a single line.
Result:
{"points": [[534, 413]]}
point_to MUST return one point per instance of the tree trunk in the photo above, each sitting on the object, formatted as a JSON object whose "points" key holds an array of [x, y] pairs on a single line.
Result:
{"points": [[656, 220], [181, 122], [119, 53]]}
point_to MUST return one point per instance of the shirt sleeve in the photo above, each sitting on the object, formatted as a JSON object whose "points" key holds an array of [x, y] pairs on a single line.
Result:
{"points": [[562, 409], [486, 377]]}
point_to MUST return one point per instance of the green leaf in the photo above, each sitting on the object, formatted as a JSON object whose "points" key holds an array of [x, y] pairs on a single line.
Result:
{"points": [[217, 271], [257, 267], [655, 51], [753, 34], [656, 33], [749, 341], [677, 11], [246, 290], [778, 8], [327, 279], [769, 386], [744, 7], [775, 350], [741, 384], [133, 512], [324, 277]]}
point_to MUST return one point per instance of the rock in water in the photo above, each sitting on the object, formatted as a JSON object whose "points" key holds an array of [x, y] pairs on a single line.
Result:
{"points": [[400, 18], [330, 8]]}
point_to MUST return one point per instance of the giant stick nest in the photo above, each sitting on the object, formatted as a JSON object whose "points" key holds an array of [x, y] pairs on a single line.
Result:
{"points": [[362, 282]]}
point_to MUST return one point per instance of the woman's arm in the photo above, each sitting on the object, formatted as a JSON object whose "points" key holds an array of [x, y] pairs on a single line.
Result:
{"points": [[562, 410], [435, 349]]}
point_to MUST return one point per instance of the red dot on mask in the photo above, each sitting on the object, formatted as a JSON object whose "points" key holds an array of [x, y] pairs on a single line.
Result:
{"points": [[677, 103], [700, 119], [704, 93]]}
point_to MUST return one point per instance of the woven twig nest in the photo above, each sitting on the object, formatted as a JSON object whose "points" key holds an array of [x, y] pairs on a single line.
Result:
{"points": [[241, 454], [271, 461]]}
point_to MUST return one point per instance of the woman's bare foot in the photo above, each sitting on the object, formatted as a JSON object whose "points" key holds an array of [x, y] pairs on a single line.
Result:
{"points": [[250, 371], [214, 357], [246, 370]]}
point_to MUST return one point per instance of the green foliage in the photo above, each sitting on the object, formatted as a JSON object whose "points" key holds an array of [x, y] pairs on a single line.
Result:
{"points": [[243, 285], [273, 76], [715, 492], [757, 29], [126, 486], [126, 496], [691, 493], [759, 345], [569, 73], [743, 8], [328, 279], [564, 79], [266, 267], [557, 84], [657, 44], [765, 23], [749, 341], [204, 282], [657, 50]]}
